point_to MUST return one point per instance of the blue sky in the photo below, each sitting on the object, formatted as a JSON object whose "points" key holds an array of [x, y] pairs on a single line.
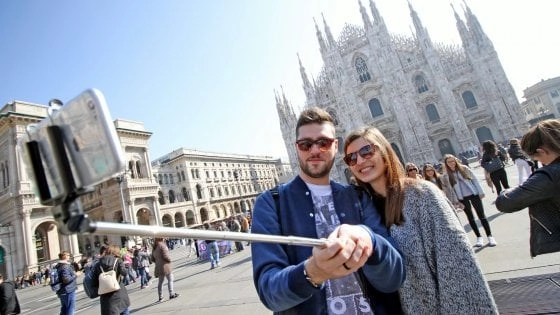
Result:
{"points": [[202, 74]]}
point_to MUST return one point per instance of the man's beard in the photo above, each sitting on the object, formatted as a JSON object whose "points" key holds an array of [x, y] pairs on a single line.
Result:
{"points": [[315, 173]]}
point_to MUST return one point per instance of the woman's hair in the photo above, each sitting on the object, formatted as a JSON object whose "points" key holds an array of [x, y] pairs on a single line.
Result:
{"points": [[544, 134], [458, 167], [394, 172], [435, 177], [113, 250], [489, 147]]}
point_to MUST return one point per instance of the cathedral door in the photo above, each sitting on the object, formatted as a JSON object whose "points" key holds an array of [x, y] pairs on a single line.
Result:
{"points": [[445, 147], [483, 134]]}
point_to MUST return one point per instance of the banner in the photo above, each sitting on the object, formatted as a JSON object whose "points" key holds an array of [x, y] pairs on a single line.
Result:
{"points": [[224, 246]]}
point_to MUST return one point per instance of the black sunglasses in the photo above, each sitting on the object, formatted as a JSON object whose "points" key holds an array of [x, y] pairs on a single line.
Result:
{"points": [[365, 152], [324, 144]]}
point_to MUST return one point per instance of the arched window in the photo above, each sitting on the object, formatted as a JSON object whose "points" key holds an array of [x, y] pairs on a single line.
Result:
{"points": [[362, 69], [420, 84], [468, 98], [432, 113], [375, 108]]}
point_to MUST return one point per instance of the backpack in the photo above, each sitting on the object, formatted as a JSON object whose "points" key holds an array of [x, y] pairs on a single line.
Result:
{"points": [[56, 282], [108, 281], [89, 288]]}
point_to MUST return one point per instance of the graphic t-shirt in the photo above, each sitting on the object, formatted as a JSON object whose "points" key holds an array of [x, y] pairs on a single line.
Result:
{"points": [[344, 295]]}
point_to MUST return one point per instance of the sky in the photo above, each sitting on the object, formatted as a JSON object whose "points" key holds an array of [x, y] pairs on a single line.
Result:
{"points": [[201, 74]]}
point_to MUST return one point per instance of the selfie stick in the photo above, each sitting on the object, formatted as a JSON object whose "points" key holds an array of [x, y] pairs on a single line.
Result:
{"points": [[159, 231]]}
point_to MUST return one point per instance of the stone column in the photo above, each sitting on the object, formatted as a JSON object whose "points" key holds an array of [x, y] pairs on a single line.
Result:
{"points": [[29, 247]]}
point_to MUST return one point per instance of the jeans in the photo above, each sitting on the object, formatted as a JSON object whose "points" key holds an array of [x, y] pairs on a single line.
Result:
{"points": [[143, 276], [169, 284], [67, 303], [214, 254]]}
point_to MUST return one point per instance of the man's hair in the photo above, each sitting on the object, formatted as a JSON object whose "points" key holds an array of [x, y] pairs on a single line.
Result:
{"points": [[62, 254], [313, 115]]}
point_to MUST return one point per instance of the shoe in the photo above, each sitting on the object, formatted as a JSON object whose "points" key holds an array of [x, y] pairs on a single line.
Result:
{"points": [[479, 242], [491, 241], [160, 299], [174, 295]]}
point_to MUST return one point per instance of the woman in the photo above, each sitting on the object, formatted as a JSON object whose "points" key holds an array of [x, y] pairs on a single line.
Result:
{"points": [[163, 270], [520, 160], [491, 155], [463, 187], [540, 191], [431, 175], [412, 171], [117, 302], [443, 276]]}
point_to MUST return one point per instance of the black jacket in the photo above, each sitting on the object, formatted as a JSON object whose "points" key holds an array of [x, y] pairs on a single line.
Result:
{"points": [[112, 303], [515, 152], [540, 192], [9, 303]]}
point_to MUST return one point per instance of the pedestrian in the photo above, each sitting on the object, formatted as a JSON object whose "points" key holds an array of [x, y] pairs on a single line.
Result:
{"points": [[520, 160], [540, 191], [493, 161], [236, 227], [143, 267], [412, 171], [67, 291], [116, 302], [9, 303], [212, 250], [463, 189], [442, 273], [358, 258], [163, 269]]}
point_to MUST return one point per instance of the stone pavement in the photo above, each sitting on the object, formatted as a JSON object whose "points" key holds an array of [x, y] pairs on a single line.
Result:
{"points": [[520, 284]]}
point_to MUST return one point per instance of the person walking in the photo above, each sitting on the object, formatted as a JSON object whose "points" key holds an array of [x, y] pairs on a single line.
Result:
{"points": [[116, 302], [67, 291], [493, 161], [520, 160], [143, 266], [443, 275], [212, 249], [463, 189], [9, 303], [236, 227], [540, 191], [163, 269], [357, 260]]}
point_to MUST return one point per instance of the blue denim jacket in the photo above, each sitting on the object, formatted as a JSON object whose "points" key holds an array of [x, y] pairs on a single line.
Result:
{"points": [[278, 269]]}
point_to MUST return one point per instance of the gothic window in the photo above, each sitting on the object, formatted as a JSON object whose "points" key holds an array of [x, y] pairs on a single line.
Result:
{"points": [[333, 115], [171, 196], [198, 192], [468, 98], [420, 84], [186, 194], [375, 108], [362, 69], [432, 113], [160, 198]]}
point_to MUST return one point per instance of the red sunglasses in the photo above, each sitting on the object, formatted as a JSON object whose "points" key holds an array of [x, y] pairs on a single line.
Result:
{"points": [[324, 144]]}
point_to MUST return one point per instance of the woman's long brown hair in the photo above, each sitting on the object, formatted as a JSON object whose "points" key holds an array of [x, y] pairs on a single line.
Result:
{"points": [[458, 166]]}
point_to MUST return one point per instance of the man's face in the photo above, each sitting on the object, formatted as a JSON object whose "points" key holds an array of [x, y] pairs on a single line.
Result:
{"points": [[316, 162]]}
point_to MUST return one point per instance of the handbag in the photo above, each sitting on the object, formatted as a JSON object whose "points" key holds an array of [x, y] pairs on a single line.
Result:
{"points": [[108, 281], [493, 165]]}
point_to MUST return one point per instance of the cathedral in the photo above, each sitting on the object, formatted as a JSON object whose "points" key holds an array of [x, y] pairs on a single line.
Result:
{"points": [[427, 98]]}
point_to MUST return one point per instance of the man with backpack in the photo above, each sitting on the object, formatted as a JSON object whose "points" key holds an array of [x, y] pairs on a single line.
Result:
{"points": [[63, 282]]}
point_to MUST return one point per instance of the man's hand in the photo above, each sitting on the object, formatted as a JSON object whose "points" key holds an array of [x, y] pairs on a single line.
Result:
{"points": [[347, 249]]}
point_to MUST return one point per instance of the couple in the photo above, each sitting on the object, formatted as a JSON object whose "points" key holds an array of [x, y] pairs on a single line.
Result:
{"points": [[377, 232]]}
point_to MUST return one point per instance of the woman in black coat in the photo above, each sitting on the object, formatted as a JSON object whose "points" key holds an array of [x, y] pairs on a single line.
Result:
{"points": [[117, 302], [498, 176], [540, 191]]}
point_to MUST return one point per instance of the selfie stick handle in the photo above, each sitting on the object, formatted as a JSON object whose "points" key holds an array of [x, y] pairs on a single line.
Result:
{"points": [[110, 228]]}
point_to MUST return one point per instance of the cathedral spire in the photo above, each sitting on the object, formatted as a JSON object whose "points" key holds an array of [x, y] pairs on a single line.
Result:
{"points": [[365, 17], [462, 29], [376, 16], [320, 38], [475, 28], [421, 32], [330, 38], [306, 83]]}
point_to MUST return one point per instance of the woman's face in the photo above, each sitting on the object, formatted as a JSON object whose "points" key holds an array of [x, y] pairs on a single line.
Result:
{"points": [[451, 163], [369, 168], [429, 172]]}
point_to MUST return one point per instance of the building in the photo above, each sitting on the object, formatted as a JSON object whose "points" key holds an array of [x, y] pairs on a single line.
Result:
{"points": [[184, 188], [542, 101], [427, 98]]}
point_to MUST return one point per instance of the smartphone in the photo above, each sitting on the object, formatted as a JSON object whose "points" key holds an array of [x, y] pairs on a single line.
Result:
{"points": [[93, 150]]}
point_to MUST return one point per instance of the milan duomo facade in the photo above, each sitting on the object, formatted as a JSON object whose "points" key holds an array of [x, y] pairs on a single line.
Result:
{"points": [[428, 99]]}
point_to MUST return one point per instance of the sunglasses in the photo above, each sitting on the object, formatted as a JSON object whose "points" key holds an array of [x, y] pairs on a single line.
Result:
{"points": [[411, 169], [324, 144], [365, 152]]}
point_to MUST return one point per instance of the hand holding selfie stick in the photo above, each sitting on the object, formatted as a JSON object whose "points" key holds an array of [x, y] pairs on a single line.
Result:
{"points": [[54, 153]]}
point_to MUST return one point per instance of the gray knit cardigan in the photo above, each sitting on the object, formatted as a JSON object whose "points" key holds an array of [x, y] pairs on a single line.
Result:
{"points": [[442, 272]]}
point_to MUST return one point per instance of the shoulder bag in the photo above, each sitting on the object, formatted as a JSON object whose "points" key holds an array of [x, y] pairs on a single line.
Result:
{"points": [[493, 165]]}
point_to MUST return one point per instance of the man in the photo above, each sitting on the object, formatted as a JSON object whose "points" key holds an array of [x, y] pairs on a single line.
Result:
{"points": [[163, 270], [322, 280], [212, 249], [235, 226], [9, 303], [67, 291]]}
